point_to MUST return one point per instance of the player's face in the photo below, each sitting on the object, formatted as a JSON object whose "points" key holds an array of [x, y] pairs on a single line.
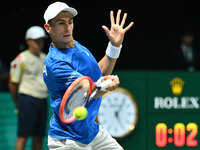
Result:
{"points": [[61, 28]]}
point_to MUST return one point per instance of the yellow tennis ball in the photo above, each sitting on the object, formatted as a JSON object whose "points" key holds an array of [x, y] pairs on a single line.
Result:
{"points": [[80, 113]]}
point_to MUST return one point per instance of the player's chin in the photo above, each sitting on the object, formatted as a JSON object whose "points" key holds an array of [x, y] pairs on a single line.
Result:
{"points": [[67, 40]]}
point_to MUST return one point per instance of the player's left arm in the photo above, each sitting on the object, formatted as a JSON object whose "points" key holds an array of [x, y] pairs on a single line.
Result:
{"points": [[116, 37]]}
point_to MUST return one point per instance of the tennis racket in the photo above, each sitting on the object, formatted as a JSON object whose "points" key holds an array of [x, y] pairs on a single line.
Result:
{"points": [[79, 94]]}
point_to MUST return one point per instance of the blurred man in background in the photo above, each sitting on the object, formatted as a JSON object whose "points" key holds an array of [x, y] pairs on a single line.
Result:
{"points": [[29, 91], [186, 56]]}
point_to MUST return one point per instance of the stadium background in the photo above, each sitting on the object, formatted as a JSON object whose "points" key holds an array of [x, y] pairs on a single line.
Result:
{"points": [[146, 54]]}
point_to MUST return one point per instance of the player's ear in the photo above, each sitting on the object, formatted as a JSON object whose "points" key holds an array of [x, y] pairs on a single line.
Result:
{"points": [[47, 27]]}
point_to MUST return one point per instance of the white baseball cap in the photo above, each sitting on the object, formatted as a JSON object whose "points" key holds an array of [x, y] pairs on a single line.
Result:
{"points": [[55, 8], [35, 32]]}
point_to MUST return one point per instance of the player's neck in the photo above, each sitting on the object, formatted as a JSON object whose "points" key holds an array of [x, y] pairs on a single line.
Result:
{"points": [[64, 46]]}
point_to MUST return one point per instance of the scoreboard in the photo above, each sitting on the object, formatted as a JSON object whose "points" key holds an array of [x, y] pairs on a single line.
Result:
{"points": [[168, 110], [174, 110]]}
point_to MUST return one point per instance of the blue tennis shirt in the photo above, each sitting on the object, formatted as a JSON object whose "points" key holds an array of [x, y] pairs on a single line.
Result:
{"points": [[61, 68]]}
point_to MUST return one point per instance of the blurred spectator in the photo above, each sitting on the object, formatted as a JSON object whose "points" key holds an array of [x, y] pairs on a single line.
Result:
{"points": [[3, 76], [186, 56], [29, 91]]}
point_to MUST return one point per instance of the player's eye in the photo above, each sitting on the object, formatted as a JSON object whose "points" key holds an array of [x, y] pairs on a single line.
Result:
{"points": [[61, 23], [71, 21]]}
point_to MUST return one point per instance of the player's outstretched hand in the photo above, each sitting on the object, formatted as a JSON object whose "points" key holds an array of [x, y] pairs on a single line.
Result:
{"points": [[117, 32]]}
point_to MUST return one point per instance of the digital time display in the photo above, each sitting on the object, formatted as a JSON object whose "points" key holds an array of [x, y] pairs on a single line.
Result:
{"points": [[180, 135], [173, 132]]}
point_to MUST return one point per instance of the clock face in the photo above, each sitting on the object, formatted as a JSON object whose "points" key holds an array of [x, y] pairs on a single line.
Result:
{"points": [[118, 112]]}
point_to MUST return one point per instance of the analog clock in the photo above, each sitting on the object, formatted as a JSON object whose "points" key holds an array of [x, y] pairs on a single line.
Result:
{"points": [[118, 112]]}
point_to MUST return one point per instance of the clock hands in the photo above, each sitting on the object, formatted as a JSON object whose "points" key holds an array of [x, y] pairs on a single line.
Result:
{"points": [[119, 120], [121, 105], [117, 113]]}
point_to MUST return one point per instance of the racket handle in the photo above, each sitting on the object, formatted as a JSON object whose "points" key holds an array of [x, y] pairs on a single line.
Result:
{"points": [[101, 87], [104, 85]]}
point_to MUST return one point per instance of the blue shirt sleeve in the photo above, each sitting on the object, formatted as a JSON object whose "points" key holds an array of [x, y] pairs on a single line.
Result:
{"points": [[64, 74]]}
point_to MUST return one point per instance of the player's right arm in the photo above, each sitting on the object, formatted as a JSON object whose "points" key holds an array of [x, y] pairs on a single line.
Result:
{"points": [[16, 70]]}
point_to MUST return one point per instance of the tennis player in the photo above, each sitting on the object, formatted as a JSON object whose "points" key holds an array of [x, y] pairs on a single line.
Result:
{"points": [[68, 60], [29, 91]]}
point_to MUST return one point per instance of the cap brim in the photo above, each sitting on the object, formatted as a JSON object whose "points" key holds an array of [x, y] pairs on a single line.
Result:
{"points": [[71, 10]]}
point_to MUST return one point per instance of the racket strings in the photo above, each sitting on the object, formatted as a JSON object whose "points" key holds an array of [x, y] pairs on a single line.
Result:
{"points": [[77, 97]]}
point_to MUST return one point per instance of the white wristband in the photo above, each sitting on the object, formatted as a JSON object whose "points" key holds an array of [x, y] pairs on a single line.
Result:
{"points": [[113, 51]]}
